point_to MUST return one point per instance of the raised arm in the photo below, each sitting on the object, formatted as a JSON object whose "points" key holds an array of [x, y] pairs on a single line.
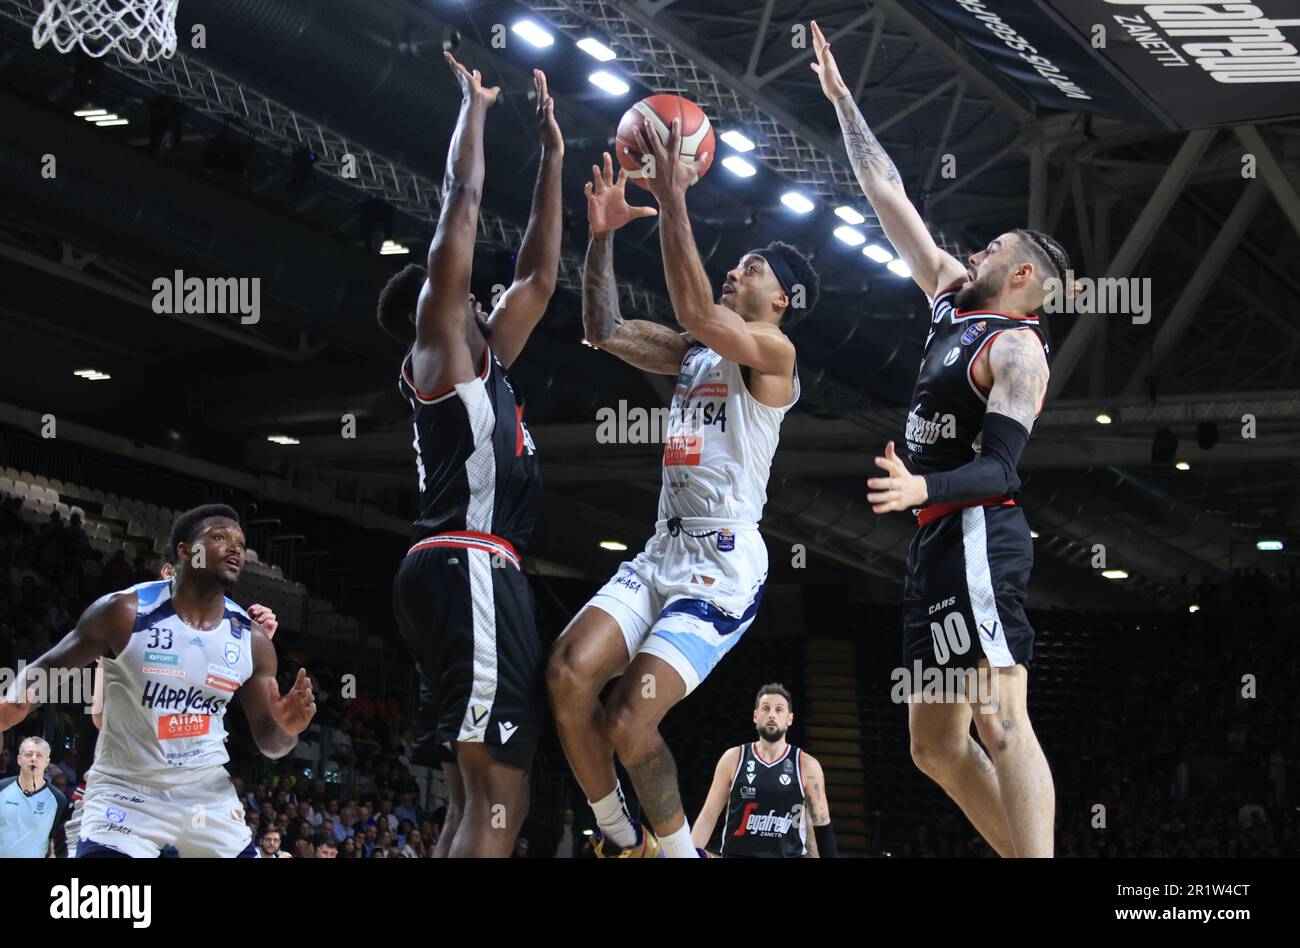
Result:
{"points": [[275, 720], [762, 347], [442, 356], [932, 268], [716, 801], [104, 629], [525, 300], [639, 342]]}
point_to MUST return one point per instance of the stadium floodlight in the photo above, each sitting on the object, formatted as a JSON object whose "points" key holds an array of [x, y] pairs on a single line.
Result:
{"points": [[797, 201], [739, 166], [596, 49], [737, 140], [608, 83], [532, 33], [849, 236]]}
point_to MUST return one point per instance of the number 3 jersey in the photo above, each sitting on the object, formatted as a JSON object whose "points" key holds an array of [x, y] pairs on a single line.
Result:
{"points": [[166, 694], [720, 441]]}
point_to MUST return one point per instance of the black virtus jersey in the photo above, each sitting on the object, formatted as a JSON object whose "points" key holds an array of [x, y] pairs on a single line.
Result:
{"points": [[946, 416], [765, 810], [475, 458]]}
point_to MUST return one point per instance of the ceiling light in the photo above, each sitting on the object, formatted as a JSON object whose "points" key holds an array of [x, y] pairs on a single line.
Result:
{"points": [[1193, 608], [1033, 534], [613, 545], [608, 83], [391, 247], [113, 121], [1269, 546], [530, 31], [92, 375], [849, 235], [1183, 466], [1104, 418], [900, 268], [737, 141], [596, 49], [89, 114], [1114, 574], [797, 202], [282, 439], [877, 253], [739, 166], [849, 215]]}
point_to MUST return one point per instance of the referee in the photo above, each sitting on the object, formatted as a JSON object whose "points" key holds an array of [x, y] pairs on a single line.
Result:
{"points": [[31, 809]]}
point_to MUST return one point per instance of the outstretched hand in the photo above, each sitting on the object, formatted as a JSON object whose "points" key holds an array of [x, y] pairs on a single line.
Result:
{"points": [[547, 128], [901, 490], [607, 207], [828, 71], [294, 711], [667, 175], [471, 83]]}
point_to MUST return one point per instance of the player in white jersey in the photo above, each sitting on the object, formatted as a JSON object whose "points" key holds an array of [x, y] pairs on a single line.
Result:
{"points": [[175, 654], [669, 615]]}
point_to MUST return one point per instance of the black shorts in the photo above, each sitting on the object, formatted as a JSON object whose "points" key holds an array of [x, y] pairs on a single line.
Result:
{"points": [[964, 590], [478, 655]]}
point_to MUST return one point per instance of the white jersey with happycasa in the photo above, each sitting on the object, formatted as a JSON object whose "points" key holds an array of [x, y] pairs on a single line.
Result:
{"points": [[689, 596], [159, 777]]}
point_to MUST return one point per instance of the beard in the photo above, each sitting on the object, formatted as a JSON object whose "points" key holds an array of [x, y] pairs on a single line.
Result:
{"points": [[771, 733], [979, 293]]}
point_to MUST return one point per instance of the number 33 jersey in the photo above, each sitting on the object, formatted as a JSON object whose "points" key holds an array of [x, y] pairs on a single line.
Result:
{"points": [[719, 444], [166, 694]]}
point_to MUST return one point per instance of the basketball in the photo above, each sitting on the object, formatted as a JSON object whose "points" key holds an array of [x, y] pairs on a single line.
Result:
{"points": [[659, 111]]}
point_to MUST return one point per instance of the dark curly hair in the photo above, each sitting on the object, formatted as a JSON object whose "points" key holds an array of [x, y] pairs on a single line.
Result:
{"points": [[397, 301], [187, 524], [1051, 256], [774, 688], [804, 276]]}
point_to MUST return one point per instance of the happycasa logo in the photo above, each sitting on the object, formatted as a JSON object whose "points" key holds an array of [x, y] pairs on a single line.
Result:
{"points": [[103, 901]]}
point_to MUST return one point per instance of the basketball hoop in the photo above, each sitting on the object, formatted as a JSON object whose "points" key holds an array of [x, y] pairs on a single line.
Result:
{"points": [[140, 30]]}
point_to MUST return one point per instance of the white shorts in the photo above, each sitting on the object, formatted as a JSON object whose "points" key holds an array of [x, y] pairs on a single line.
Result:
{"points": [[201, 819], [687, 599]]}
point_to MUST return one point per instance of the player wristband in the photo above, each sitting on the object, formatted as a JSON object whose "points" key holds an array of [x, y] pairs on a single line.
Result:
{"points": [[992, 474], [826, 848]]}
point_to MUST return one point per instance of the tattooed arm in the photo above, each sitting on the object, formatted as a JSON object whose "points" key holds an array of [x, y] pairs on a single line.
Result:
{"points": [[639, 342], [932, 268], [816, 810], [1018, 367]]}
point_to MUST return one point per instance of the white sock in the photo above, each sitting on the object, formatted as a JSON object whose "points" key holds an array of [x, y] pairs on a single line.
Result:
{"points": [[679, 845], [613, 818]]}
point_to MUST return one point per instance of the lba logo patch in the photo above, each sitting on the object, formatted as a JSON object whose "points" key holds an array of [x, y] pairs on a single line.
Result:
{"points": [[973, 332], [726, 541]]}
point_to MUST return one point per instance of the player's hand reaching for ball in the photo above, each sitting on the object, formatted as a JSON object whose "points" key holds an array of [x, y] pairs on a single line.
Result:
{"points": [[471, 83], [668, 176], [901, 490], [294, 710], [548, 129], [607, 207], [826, 68]]}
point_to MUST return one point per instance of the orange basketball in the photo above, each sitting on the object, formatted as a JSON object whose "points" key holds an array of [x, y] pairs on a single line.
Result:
{"points": [[659, 111]]}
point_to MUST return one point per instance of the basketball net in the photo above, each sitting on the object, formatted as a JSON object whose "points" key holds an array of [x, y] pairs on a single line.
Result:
{"points": [[140, 30]]}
